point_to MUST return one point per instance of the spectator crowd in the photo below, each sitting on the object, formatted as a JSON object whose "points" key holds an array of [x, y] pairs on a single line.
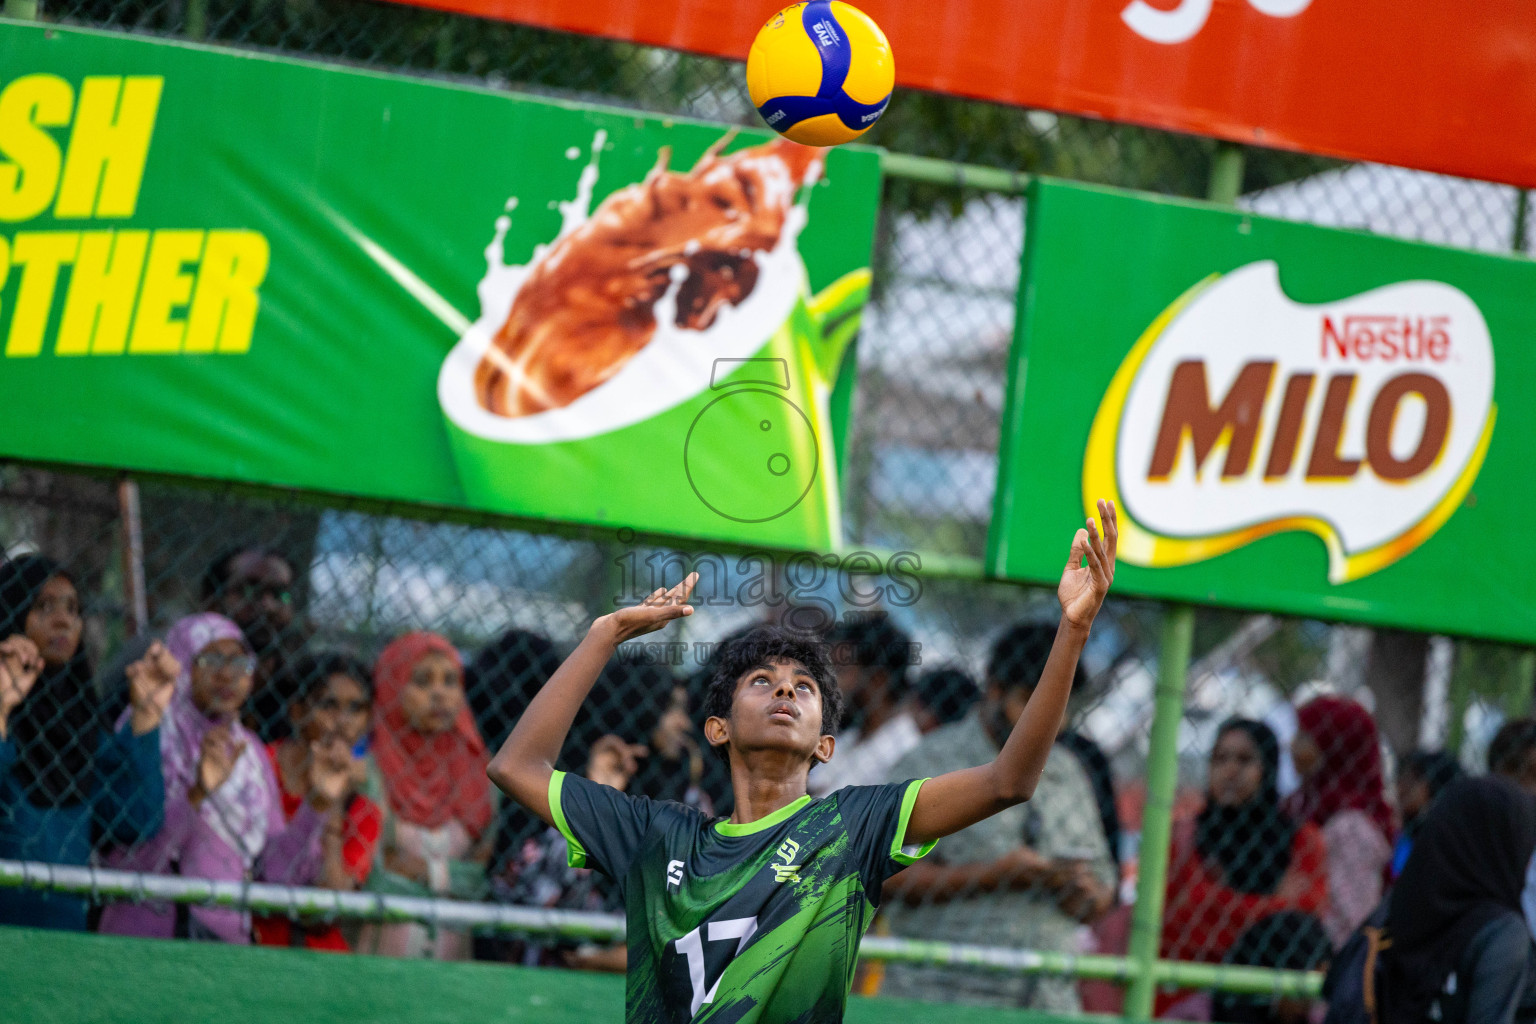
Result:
{"points": [[231, 749]]}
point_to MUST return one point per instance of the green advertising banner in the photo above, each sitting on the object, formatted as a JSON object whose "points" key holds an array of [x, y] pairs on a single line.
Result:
{"points": [[234, 266], [1306, 421]]}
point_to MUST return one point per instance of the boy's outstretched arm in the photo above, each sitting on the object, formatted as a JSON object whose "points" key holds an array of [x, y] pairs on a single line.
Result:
{"points": [[953, 801], [523, 766]]}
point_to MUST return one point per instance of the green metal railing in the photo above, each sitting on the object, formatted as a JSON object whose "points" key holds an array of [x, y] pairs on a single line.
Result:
{"points": [[101, 884]]}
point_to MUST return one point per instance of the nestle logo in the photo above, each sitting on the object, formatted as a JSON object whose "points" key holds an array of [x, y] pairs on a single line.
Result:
{"points": [[826, 34], [1385, 337]]}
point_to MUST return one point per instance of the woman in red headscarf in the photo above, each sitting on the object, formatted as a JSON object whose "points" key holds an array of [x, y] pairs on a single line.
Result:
{"points": [[1338, 756], [429, 765]]}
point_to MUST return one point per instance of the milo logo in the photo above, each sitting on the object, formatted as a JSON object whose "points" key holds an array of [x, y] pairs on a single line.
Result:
{"points": [[1240, 414]]}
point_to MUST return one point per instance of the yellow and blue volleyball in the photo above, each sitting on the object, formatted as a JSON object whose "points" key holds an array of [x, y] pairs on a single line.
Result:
{"points": [[821, 73]]}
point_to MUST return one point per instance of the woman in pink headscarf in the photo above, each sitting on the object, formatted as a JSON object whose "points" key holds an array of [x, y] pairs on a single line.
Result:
{"points": [[430, 770], [223, 816], [1338, 756]]}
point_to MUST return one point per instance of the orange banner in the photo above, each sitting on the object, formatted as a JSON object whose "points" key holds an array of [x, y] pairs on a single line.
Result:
{"points": [[1447, 87]]}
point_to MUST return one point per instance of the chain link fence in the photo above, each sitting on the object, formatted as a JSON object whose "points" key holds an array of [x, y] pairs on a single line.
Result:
{"points": [[320, 589]]}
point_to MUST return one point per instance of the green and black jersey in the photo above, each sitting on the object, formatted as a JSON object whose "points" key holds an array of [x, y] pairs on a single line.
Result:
{"points": [[740, 924]]}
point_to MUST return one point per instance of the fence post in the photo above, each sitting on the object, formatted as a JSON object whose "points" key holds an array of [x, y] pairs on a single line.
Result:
{"points": [[135, 599], [1157, 815], [195, 24], [1517, 703], [1226, 184], [1522, 211]]}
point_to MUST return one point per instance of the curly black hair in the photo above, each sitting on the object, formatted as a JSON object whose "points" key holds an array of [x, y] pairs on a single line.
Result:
{"points": [[758, 648]]}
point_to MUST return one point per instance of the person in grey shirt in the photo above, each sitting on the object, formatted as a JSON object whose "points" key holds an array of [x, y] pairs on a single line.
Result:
{"points": [[1027, 878]]}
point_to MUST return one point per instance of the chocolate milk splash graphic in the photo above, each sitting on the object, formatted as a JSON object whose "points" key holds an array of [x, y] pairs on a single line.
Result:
{"points": [[625, 361], [578, 396], [675, 250]]}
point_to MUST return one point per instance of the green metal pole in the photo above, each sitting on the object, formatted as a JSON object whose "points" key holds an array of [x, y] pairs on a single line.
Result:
{"points": [[1157, 815], [948, 172], [1226, 182], [196, 24], [1517, 703], [1459, 699], [1522, 211], [1225, 185]]}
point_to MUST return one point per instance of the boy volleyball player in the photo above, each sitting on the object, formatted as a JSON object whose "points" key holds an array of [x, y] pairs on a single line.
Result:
{"points": [[758, 918]]}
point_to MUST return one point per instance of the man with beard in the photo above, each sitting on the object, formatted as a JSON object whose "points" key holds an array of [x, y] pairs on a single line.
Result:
{"points": [[253, 586]]}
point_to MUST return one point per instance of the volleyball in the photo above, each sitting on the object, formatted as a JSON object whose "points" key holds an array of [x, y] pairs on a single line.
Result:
{"points": [[821, 73]]}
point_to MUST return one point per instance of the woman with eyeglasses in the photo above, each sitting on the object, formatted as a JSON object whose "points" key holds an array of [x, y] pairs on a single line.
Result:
{"points": [[70, 783], [224, 817], [331, 711]]}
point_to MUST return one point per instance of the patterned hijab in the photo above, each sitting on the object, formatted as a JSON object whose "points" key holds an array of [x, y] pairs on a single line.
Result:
{"points": [[1349, 777], [239, 811], [430, 780]]}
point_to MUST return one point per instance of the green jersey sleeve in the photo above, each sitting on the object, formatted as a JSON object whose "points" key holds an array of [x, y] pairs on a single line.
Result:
{"points": [[603, 828], [876, 819]]}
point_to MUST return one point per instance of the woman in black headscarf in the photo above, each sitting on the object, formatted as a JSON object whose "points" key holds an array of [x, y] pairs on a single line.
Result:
{"points": [[67, 780], [1242, 828], [1456, 910], [1245, 859]]}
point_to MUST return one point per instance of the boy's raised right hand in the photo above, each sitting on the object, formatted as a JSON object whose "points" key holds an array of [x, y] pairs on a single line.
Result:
{"points": [[651, 614]]}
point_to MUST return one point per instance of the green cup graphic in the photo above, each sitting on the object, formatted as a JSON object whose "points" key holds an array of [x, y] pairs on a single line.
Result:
{"points": [[703, 465]]}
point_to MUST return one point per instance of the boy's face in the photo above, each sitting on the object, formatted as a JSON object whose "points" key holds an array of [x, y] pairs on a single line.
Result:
{"points": [[777, 707]]}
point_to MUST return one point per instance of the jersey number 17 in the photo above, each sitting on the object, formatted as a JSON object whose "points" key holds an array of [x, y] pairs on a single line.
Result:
{"points": [[692, 947]]}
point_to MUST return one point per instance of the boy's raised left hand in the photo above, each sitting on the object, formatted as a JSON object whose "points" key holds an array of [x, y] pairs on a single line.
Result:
{"points": [[1090, 569]]}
